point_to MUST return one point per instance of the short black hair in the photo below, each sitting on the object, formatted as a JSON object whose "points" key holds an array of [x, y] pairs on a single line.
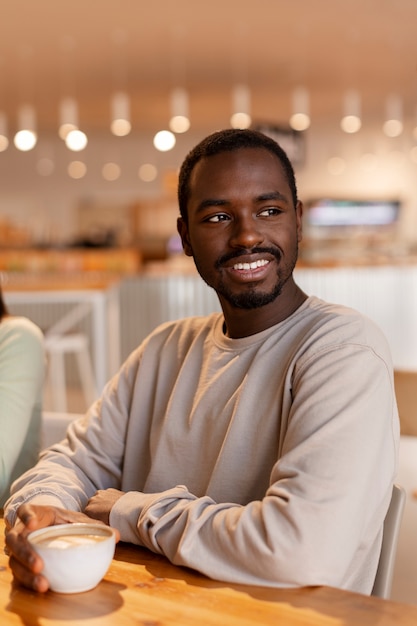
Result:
{"points": [[227, 141]]}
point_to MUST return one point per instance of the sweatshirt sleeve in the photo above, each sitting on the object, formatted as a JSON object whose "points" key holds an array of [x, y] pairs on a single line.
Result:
{"points": [[328, 493]]}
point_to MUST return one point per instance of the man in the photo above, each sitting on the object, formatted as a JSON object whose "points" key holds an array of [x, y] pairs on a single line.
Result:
{"points": [[257, 446]]}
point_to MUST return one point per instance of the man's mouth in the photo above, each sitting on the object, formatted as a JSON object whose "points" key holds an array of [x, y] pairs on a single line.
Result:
{"points": [[248, 260], [250, 266]]}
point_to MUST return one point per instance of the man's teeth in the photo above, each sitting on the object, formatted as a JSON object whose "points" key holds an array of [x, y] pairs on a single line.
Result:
{"points": [[250, 266]]}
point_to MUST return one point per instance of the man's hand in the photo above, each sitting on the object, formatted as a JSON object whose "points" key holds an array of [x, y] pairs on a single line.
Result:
{"points": [[99, 506], [25, 563]]}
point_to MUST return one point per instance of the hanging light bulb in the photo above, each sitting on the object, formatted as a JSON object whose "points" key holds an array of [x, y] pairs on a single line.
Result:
{"points": [[180, 121], [111, 171], [241, 117], [164, 140], [25, 139], [77, 169], [4, 140], [68, 116], [147, 172], [300, 119], [76, 140], [393, 125], [120, 114], [351, 121]]}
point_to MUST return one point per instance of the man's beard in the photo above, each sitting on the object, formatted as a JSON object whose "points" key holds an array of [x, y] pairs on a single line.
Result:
{"points": [[253, 298]]}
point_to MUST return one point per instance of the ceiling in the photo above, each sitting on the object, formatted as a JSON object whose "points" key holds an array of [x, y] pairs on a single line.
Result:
{"points": [[90, 48]]}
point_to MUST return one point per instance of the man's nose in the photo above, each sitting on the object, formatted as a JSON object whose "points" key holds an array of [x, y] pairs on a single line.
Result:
{"points": [[246, 233]]}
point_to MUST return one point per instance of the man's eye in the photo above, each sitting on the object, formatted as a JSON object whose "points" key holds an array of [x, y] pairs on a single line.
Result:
{"points": [[219, 217], [271, 210]]}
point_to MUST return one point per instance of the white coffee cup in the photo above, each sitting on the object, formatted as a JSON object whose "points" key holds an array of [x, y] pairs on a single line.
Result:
{"points": [[76, 556]]}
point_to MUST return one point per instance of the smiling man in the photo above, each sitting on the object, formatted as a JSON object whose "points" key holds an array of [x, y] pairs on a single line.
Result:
{"points": [[257, 445], [241, 222]]}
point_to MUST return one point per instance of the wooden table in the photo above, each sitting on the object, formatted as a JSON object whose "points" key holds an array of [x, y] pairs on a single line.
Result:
{"points": [[143, 589]]}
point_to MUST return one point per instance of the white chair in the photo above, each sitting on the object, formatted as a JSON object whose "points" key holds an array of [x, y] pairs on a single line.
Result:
{"points": [[59, 343], [385, 572]]}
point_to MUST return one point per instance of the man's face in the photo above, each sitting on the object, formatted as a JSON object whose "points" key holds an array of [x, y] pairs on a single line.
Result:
{"points": [[243, 229]]}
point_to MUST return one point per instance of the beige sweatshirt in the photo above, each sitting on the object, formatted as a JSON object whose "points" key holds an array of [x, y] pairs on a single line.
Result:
{"points": [[267, 460]]}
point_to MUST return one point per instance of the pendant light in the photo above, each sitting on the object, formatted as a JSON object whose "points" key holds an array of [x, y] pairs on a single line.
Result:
{"points": [[25, 139], [68, 116], [120, 124], [241, 116], [180, 117], [300, 118], [351, 120], [393, 125]]}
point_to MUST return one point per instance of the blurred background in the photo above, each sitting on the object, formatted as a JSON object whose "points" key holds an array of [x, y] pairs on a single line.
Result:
{"points": [[335, 82]]}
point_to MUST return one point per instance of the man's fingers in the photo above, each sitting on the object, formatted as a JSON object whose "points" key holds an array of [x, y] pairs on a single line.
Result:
{"points": [[22, 552], [28, 578]]}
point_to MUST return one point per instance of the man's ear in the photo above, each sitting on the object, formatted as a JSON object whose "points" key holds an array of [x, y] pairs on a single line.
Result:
{"points": [[185, 239], [299, 217]]}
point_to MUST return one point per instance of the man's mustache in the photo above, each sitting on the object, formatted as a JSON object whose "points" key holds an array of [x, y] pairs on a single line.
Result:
{"points": [[239, 253]]}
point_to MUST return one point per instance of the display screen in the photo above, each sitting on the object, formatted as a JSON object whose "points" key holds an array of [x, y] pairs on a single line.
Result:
{"points": [[327, 212]]}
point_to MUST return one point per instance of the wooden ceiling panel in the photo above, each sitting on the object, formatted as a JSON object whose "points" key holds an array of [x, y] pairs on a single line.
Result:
{"points": [[90, 48]]}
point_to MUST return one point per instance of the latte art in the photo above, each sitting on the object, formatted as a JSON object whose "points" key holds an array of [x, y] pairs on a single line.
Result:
{"points": [[64, 542]]}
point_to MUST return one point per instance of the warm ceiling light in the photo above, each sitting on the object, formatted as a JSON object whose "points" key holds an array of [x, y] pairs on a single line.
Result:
{"points": [[180, 121], [240, 120], [68, 116], [4, 141], [179, 124], [393, 125], [300, 119], [351, 121], [241, 117], [77, 169], [393, 128], [350, 124], [111, 171], [147, 172], [164, 140], [25, 139], [120, 127], [120, 114], [76, 140]]}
